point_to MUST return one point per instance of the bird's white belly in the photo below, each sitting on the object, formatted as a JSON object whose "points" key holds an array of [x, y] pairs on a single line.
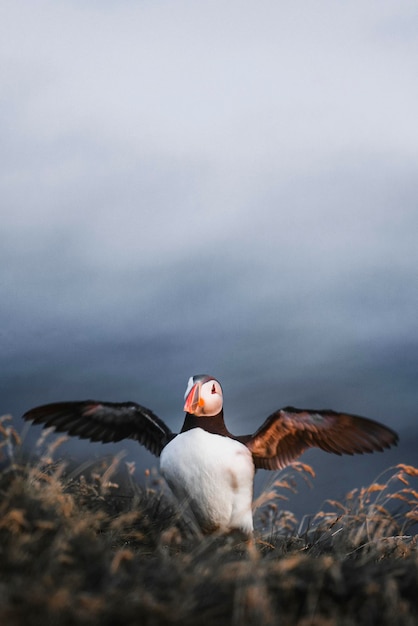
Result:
{"points": [[215, 475]]}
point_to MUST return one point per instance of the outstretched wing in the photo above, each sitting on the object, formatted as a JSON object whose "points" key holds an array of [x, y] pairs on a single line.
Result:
{"points": [[289, 432], [104, 421]]}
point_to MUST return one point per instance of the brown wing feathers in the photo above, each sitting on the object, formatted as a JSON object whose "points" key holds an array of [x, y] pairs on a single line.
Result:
{"points": [[288, 432], [105, 422], [283, 437]]}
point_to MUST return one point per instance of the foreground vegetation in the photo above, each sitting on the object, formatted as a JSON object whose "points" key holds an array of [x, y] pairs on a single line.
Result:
{"points": [[85, 549]]}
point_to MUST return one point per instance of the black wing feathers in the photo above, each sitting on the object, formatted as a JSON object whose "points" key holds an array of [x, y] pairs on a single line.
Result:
{"points": [[105, 422], [289, 432]]}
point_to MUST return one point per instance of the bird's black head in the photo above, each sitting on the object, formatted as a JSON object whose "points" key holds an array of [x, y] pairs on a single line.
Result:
{"points": [[203, 396]]}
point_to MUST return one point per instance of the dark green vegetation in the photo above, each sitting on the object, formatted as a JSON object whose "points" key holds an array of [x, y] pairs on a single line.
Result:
{"points": [[74, 551]]}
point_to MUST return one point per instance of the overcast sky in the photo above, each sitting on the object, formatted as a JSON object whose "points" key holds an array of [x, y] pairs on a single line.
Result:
{"points": [[221, 187]]}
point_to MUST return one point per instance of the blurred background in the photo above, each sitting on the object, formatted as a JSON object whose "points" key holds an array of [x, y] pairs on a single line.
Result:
{"points": [[216, 187]]}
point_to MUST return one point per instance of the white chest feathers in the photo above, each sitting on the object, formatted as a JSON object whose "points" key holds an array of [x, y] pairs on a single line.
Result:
{"points": [[214, 475]]}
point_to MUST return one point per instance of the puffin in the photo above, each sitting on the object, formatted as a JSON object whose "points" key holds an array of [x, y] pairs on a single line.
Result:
{"points": [[205, 465]]}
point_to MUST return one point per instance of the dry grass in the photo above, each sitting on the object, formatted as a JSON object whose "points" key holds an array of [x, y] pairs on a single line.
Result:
{"points": [[73, 550]]}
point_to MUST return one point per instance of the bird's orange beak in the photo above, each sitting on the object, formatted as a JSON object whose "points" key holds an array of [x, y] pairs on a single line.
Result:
{"points": [[193, 399]]}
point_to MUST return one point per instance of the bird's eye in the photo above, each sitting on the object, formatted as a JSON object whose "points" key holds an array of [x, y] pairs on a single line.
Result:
{"points": [[213, 389]]}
